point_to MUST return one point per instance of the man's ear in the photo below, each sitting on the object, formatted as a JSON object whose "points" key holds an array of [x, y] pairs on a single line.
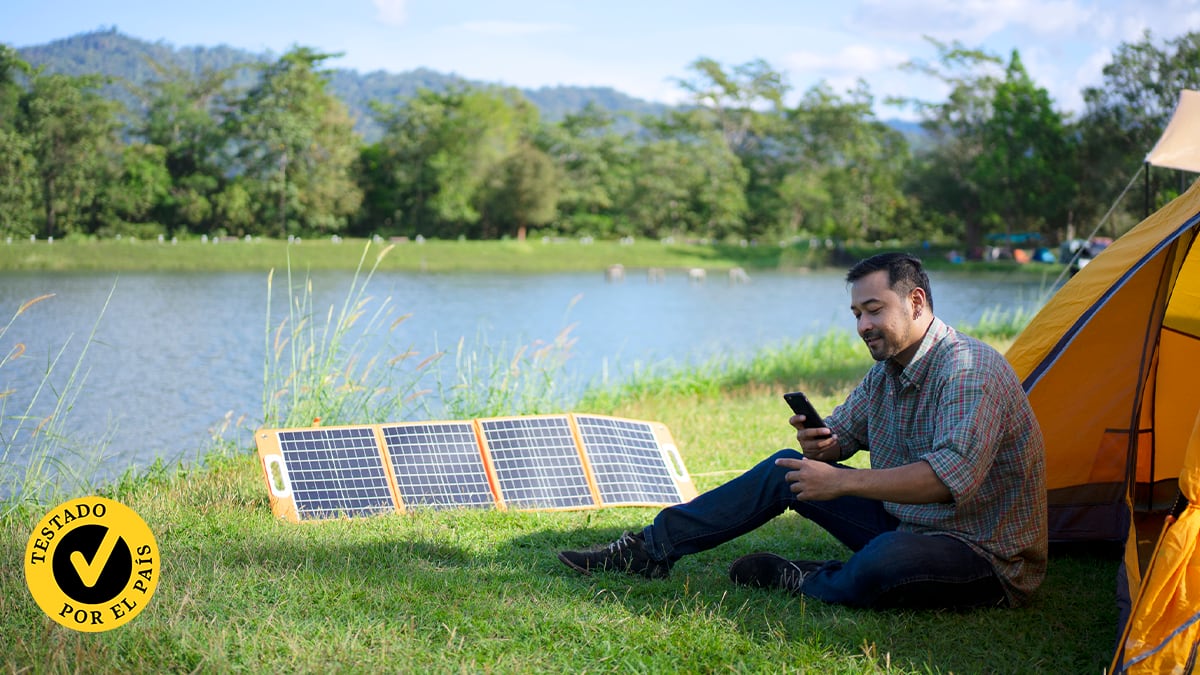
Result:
{"points": [[919, 302]]}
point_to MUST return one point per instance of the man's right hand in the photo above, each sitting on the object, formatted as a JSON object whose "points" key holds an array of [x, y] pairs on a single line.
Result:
{"points": [[816, 444]]}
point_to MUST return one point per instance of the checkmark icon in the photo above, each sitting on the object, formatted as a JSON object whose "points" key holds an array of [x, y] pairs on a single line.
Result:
{"points": [[89, 571]]}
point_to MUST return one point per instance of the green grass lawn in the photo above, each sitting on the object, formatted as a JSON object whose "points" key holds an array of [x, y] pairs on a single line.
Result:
{"points": [[534, 255], [482, 590], [531, 256]]}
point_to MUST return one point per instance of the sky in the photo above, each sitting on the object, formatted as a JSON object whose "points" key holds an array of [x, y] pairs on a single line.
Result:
{"points": [[643, 47]]}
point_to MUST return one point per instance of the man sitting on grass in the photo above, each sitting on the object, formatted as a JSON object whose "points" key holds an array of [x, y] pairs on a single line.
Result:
{"points": [[952, 512]]}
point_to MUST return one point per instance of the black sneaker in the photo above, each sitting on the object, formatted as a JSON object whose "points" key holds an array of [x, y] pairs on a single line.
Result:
{"points": [[768, 570], [627, 554]]}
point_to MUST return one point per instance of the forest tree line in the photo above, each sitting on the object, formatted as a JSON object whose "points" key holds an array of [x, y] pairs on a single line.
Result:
{"points": [[280, 157]]}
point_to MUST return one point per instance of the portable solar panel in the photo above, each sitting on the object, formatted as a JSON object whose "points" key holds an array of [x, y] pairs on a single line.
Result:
{"points": [[323, 473], [536, 462], [438, 465], [633, 463]]}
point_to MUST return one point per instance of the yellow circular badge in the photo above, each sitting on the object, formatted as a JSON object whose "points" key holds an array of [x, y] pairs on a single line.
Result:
{"points": [[92, 564]]}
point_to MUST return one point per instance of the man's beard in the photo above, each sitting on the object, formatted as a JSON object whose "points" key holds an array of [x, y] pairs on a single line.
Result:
{"points": [[880, 350]]}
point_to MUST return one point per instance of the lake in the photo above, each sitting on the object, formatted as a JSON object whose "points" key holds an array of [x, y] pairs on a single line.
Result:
{"points": [[174, 353]]}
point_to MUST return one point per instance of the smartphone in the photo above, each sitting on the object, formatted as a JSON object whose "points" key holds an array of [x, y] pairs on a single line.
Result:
{"points": [[802, 406]]}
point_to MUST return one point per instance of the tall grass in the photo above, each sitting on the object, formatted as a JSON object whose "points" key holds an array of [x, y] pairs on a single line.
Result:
{"points": [[820, 364], [1001, 324], [318, 370], [40, 462], [489, 382]]}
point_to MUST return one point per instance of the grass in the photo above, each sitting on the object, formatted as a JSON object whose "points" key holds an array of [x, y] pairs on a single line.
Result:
{"points": [[481, 590], [40, 461], [430, 256], [531, 256], [465, 590]]}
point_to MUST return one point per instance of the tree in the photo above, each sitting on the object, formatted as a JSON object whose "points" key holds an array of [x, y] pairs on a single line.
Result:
{"points": [[71, 131], [659, 199], [839, 169], [738, 103], [744, 105], [12, 69], [438, 153], [137, 193], [685, 184], [1125, 115], [185, 116], [295, 147], [943, 180], [1025, 171], [594, 169], [18, 187], [525, 191]]}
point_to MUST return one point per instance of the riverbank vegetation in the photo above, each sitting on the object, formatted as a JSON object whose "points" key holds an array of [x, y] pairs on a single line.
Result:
{"points": [[264, 149], [629, 258]]}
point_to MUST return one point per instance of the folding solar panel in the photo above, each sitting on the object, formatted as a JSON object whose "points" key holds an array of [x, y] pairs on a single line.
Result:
{"points": [[438, 465], [633, 463], [325, 473], [536, 462]]}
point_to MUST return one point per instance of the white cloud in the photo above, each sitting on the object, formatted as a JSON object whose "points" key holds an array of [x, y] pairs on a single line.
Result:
{"points": [[1088, 74], [513, 28], [970, 21], [392, 12], [1065, 17], [851, 60]]}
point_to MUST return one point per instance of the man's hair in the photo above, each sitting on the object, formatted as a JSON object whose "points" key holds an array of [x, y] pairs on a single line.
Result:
{"points": [[904, 273]]}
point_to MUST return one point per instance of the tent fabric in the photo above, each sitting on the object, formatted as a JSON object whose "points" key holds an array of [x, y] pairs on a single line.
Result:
{"points": [[1164, 630], [1111, 364], [1108, 365], [1179, 145]]}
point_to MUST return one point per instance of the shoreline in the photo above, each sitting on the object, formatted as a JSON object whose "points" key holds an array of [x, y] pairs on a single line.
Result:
{"points": [[440, 256]]}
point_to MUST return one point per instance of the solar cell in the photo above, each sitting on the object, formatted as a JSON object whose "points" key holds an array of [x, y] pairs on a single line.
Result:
{"points": [[536, 462], [332, 472], [628, 463], [438, 465]]}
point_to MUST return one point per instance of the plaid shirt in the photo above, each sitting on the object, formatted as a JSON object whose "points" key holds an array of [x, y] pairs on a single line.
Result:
{"points": [[959, 406]]}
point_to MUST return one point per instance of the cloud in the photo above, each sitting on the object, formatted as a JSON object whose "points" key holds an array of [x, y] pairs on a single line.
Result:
{"points": [[849, 60], [971, 21], [392, 12], [513, 28]]}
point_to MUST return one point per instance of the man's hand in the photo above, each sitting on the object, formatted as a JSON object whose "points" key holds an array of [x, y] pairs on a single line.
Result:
{"points": [[813, 481], [816, 444], [914, 483]]}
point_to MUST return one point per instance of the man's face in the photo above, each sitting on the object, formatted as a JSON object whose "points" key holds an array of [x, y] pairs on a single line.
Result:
{"points": [[886, 320]]}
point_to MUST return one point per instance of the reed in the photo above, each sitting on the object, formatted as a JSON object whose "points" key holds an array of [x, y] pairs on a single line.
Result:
{"points": [[40, 461], [341, 366], [326, 368], [493, 381]]}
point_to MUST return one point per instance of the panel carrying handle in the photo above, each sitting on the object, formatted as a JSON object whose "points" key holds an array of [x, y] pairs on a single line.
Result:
{"points": [[674, 462], [277, 478]]}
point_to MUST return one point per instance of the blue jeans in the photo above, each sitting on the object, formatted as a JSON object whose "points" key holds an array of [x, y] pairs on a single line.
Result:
{"points": [[888, 568]]}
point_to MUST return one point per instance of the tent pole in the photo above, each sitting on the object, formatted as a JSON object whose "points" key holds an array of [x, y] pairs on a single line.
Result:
{"points": [[1147, 183]]}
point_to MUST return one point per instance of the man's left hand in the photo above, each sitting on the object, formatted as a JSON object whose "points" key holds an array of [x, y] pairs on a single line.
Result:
{"points": [[812, 480]]}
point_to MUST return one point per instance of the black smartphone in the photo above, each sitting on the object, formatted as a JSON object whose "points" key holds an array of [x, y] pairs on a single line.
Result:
{"points": [[802, 406]]}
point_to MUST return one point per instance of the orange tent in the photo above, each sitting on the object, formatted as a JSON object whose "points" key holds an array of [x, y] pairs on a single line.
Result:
{"points": [[1110, 364]]}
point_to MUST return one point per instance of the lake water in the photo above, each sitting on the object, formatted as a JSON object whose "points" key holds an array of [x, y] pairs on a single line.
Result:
{"points": [[174, 354]]}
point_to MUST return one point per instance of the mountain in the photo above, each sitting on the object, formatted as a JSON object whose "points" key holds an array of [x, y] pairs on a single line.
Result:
{"points": [[128, 59]]}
